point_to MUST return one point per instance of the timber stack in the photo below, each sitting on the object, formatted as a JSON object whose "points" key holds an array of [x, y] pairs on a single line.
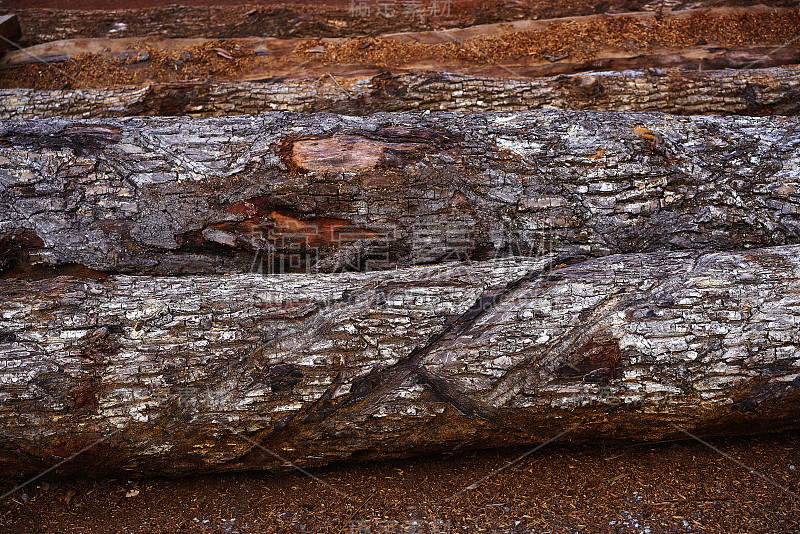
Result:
{"points": [[232, 247]]}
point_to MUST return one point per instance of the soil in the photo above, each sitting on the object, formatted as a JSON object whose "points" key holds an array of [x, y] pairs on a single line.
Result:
{"points": [[644, 488], [577, 40]]}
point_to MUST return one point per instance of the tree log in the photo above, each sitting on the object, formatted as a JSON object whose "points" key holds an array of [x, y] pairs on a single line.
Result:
{"points": [[185, 374], [285, 192], [317, 20], [694, 40], [773, 91]]}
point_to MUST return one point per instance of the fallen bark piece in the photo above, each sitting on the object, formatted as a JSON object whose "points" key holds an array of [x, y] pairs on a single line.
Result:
{"points": [[183, 375], [773, 91], [284, 192]]}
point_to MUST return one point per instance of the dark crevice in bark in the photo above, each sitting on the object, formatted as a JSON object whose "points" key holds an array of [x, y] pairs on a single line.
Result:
{"points": [[390, 191], [407, 368], [634, 340]]}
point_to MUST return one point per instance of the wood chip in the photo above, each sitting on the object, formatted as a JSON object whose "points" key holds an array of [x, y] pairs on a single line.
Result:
{"points": [[223, 53]]}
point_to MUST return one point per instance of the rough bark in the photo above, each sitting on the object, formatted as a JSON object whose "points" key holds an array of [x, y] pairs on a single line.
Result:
{"points": [[773, 91], [290, 192], [318, 368]]}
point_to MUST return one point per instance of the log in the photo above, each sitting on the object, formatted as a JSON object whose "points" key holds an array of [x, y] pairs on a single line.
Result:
{"points": [[185, 375], [99, 64], [700, 39], [772, 91], [286, 192], [318, 20]]}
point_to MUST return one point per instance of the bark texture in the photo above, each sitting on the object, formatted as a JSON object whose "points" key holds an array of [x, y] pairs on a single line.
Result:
{"points": [[773, 91], [173, 372], [285, 192]]}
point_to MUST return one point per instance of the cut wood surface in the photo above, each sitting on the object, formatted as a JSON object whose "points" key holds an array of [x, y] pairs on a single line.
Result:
{"points": [[773, 91], [184, 375], [319, 192]]}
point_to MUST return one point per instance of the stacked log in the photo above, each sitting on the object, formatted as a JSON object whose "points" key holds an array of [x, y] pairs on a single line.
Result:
{"points": [[620, 272]]}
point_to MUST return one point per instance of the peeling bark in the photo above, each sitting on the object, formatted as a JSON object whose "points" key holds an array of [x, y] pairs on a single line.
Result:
{"points": [[773, 91], [323, 193], [373, 365]]}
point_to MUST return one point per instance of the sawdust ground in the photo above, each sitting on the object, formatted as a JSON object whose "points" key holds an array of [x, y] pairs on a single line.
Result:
{"points": [[661, 488]]}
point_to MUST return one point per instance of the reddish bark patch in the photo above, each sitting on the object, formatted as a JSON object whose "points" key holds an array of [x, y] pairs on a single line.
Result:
{"points": [[254, 207], [319, 232], [351, 153], [14, 248], [85, 397], [390, 146], [459, 202], [295, 243]]}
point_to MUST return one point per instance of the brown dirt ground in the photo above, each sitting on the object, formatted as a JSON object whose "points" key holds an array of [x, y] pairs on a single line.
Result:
{"points": [[655, 488], [580, 40]]}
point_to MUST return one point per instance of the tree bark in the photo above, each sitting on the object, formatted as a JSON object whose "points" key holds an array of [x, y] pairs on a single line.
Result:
{"points": [[773, 91], [322, 193], [185, 374]]}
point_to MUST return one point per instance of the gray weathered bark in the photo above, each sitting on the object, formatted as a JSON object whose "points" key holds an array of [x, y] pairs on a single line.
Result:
{"points": [[329, 193], [373, 365], [773, 91]]}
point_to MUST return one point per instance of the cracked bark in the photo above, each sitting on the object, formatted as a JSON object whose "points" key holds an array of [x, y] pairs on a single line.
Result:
{"points": [[285, 192], [772, 91], [321, 368]]}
